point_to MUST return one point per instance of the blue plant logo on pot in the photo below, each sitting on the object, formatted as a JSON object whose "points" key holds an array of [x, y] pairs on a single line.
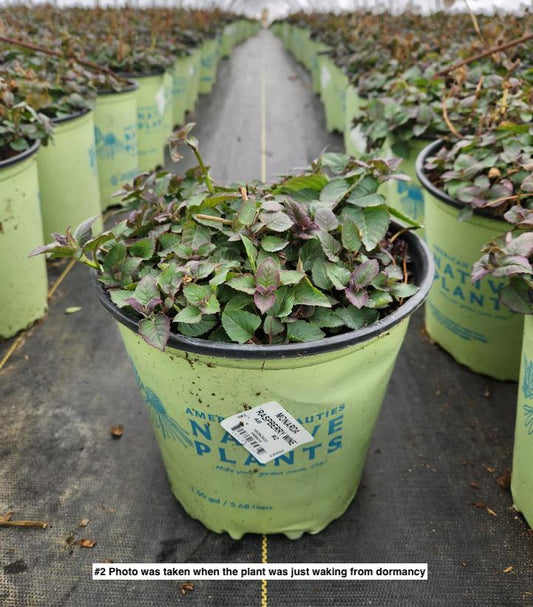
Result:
{"points": [[169, 427], [108, 146], [528, 419], [527, 385], [411, 198]]}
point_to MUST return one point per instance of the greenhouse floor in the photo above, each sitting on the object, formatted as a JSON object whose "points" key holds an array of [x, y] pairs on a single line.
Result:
{"points": [[435, 487]]}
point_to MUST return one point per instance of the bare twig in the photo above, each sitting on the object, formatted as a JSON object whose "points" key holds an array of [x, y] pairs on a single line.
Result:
{"points": [[226, 222], [5, 521], [490, 51], [49, 51], [447, 120]]}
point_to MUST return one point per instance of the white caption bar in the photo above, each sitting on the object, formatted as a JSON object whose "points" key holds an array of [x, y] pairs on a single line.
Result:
{"points": [[270, 571]]}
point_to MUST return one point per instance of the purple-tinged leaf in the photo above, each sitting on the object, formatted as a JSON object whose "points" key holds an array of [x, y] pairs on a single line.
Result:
{"points": [[326, 219], [512, 264], [335, 191], [330, 245], [267, 275], [521, 245], [244, 283], [364, 274], [264, 301], [479, 270], [277, 221], [155, 331], [358, 299]]}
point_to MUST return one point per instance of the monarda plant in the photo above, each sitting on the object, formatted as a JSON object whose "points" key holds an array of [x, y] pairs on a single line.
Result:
{"points": [[309, 256]]}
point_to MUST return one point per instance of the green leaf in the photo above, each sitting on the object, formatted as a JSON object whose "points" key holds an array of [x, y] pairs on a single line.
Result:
{"points": [[403, 290], [306, 294], [197, 329], [211, 306], [378, 299], [196, 294], [271, 244], [330, 245], [338, 275], [277, 222], [73, 309], [155, 331], [325, 318], [244, 283], [118, 297], [251, 251], [114, 258], [303, 331], [284, 303], [370, 200], [189, 314], [372, 222], [334, 161], [334, 191], [291, 277], [272, 326], [84, 232], [304, 182], [351, 239], [355, 318], [405, 219], [143, 248], [517, 296], [367, 185], [146, 290], [246, 212], [310, 253], [326, 219], [240, 325], [267, 275], [216, 199], [320, 276], [239, 302]]}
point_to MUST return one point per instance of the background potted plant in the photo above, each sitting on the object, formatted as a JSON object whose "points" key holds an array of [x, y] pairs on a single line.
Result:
{"points": [[297, 292], [476, 179], [509, 257], [23, 294]]}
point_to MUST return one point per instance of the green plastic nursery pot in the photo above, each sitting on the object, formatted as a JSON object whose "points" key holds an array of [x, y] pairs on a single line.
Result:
{"points": [[522, 477], [316, 48], [408, 196], [334, 387], [467, 319], [181, 79], [227, 40], [115, 130], [151, 129], [208, 70], [68, 176], [168, 113], [333, 85], [193, 90], [352, 110], [23, 279]]}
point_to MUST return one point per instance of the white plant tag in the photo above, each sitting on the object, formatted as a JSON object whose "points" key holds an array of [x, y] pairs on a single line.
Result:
{"points": [[324, 77], [266, 431], [160, 100]]}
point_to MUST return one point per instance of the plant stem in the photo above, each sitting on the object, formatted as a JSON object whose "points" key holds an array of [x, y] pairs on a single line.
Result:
{"points": [[226, 222], [48, 51], [5, 521], [490, 51], [208, 181]]}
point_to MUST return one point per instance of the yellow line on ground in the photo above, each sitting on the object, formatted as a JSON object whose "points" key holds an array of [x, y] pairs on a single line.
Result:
{"points": [[264, 583]]}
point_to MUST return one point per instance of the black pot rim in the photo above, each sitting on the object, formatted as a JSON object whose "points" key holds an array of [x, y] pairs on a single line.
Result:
{"points": [[430, 149], [20, 156], [423, 267], [70, 116], [131, 86]]}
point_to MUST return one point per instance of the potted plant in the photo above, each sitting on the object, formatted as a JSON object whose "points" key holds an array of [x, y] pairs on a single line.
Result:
{"points": [[24, 281], [62, 90], [475, 179], [509, 257], [228, 298]]}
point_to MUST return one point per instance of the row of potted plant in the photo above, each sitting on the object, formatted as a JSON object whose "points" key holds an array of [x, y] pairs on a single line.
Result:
{"points": [[472, 93], [108, 106]]}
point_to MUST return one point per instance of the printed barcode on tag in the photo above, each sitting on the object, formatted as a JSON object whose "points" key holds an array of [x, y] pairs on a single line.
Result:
{"points": [[239, 429]]}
